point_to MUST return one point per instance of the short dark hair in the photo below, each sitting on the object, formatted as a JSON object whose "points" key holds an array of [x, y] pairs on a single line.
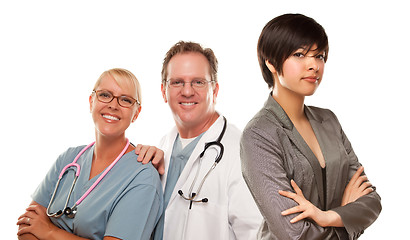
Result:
{"points": [[284, 35], [186, 47]]}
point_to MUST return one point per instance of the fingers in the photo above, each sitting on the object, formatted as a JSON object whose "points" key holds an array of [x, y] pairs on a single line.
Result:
{"points": [[158, 156], [297, 197], [142, 150], [35, 208], [304, 207], [296, 187], [22, 230], [30, 214], [148, 153], [357, 187], [161, 166], [33, 211], [365, 189], [359, 181], [24, 221], [158, 161], [365, 185], [22, 215], [357, 174], [290, 195], [299, 217], [293, 210], [356, 180], [138, 149], [25, 216], [303, 210]]}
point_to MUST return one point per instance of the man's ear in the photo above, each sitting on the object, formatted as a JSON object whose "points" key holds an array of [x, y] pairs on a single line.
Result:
{"points": [[164, 92], [270, 66], [215, 91]]}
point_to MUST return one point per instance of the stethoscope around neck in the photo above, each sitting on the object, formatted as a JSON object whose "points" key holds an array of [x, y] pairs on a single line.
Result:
{"points": [[193, 195], [71, 211]]}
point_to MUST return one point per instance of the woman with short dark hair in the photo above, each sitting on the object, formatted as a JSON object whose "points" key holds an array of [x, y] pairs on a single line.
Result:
{"points": [[296, 159]]}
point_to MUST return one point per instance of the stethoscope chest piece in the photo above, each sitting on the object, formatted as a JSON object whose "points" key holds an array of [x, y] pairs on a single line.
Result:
{"points": [[70, 212]]}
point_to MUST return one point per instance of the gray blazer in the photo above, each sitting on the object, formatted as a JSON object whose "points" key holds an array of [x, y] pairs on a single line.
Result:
{"points": [[273, 153]]}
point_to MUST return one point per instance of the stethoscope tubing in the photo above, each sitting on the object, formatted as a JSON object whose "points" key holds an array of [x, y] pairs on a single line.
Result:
{"points": [[192, 196], [77, 173], [73, 164], [103, 175]]}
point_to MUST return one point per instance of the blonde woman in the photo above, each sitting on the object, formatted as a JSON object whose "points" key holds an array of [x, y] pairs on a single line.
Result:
{"points": [[114, 196]]}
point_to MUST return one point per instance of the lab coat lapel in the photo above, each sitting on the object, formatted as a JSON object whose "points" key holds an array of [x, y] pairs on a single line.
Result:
{"points": [[167, 143], [186, 178]]}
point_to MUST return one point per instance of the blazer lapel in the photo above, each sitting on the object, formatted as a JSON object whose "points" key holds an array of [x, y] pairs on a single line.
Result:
{"points": [[300, 143], [274, 107], [330, 149]]}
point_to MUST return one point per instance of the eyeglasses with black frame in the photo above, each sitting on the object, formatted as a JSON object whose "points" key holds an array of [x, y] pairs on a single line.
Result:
{"points": [[196, 84], [106, 96]]}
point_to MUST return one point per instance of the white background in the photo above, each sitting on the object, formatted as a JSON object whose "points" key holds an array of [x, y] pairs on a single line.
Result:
{"points": [[51, 53]]}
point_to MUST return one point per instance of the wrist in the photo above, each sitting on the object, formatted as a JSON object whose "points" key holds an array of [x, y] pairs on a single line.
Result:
{"points": [[53, 232], [333, 219]]}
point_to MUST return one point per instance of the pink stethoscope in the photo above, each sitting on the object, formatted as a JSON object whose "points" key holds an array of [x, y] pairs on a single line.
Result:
{"points": [[70, 212]]}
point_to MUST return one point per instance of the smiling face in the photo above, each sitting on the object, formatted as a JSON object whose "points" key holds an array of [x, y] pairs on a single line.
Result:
{"points": [[111, 119], [302, 72], [193, 109]]}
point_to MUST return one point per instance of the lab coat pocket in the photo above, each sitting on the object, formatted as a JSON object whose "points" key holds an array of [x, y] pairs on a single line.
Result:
{"points": [[211, 215]]}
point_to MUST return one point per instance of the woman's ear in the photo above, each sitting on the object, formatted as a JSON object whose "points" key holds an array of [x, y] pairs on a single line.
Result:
{"points": [[90, 99], [136, 114], [270, 66]]}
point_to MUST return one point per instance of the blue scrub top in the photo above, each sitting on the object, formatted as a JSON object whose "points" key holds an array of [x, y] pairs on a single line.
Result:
{"points": [[178, 160], [126, 204]]}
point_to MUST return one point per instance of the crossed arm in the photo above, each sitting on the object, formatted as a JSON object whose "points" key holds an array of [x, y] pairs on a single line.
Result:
{"points": [[34, 224], [267, 175], [357, 187]]}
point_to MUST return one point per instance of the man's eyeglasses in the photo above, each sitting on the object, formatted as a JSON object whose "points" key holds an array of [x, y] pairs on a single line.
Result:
{"points": [[197, 84], [106, 96]]}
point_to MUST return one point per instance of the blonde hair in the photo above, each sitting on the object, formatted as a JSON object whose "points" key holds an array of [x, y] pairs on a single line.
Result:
{"points": [[124, 78]]}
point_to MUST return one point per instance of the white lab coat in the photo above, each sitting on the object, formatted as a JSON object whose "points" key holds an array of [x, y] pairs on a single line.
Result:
{"points": [[231, 212]]}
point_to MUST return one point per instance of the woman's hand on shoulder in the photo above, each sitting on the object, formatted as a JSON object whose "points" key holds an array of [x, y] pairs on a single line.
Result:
{"points": [[148, 153], [358, 186]]}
